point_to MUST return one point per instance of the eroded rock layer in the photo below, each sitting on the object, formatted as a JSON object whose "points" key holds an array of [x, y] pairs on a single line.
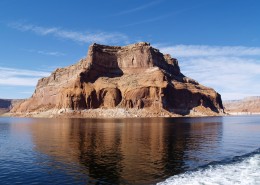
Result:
{"points": [[247, 105], [135, 76]]}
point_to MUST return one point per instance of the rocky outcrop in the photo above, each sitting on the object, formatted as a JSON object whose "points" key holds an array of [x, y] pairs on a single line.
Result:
{"points": [[248, 105], [136, 76]]}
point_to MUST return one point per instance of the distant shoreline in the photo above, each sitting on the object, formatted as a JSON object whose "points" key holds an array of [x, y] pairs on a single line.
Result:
{"points": [[119, 113], [243, 113], [111, 113], [6, 115]]}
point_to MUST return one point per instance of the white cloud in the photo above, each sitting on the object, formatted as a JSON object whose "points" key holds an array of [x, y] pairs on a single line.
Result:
{"points": [[233, 71], [20, 77], [87, 37]]}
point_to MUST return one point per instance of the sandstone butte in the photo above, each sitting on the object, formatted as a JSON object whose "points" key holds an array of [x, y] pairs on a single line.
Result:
{"points": [[112, 81]]}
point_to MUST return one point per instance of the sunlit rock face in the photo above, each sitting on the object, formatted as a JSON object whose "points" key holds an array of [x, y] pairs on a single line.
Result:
{"points": [[248, 105], [136, 76]]}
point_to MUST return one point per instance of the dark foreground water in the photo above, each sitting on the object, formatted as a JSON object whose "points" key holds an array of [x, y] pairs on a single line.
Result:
{"points": [[218, 150]]}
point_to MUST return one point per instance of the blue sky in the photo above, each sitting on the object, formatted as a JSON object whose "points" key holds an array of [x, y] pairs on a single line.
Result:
{"points": [[217, 42]]}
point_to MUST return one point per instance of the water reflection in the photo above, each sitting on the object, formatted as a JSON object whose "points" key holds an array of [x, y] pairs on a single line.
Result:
{"points": [[128, 151]]}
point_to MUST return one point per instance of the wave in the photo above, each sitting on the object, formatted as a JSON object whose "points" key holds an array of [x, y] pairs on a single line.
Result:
{"points": [[238, 170]]}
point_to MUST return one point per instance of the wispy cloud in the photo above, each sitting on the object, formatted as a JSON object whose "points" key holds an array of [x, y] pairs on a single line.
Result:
{"points": [[80, 37], [20, 77], [148, 20], [161, 17], [49, 53], [234, 71], [205, 51], [141, 7]]}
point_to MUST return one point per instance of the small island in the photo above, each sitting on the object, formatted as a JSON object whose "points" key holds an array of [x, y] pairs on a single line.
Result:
{"points": [[112, 81]]}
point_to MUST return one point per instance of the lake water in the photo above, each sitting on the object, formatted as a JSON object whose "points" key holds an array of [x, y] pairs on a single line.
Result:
{"points": [[215, 150]]}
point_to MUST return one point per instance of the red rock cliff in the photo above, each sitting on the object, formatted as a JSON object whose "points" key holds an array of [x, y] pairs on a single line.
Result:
{"points": [[134, 76]]}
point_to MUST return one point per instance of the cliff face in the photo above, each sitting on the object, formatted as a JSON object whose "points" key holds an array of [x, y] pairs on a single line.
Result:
{"points": [[134, 76], [246, 105]]}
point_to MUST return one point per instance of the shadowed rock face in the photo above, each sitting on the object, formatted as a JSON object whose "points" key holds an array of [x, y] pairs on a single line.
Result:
{"points": [[133, 76]]}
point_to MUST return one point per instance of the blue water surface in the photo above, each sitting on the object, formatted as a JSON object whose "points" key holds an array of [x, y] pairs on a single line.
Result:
{"points": [[119, 151]]}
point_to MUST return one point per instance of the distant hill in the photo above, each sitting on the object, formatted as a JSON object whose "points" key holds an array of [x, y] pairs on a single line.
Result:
{"points": [[7, 104], [246, 105]]}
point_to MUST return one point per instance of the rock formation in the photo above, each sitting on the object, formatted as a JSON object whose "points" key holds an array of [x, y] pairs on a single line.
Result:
{"points": [[248, 105], [134, 77]]}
